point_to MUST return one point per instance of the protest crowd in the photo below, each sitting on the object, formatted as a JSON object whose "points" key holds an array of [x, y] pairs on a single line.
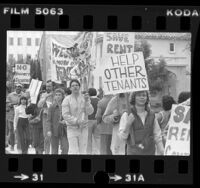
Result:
{"points": [[68, 121], [81, 103]]}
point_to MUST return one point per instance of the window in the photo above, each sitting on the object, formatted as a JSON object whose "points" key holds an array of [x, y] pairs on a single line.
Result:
{"points": [[10, 56], [171, 47], [19, 57], [11, 41], [28, 56], [28, 41], [19, 41], [37, 42]]}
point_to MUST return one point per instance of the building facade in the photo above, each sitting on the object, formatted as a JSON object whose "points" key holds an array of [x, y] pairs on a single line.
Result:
{"points": [[21, 44]]}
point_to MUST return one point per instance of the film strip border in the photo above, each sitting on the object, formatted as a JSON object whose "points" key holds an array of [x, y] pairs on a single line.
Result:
{"points": [[106, 169], [160, 24], [101, 18], [89, 169]]}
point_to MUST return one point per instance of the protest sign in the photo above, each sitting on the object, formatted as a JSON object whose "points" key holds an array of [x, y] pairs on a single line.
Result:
{"points": [[118, 43], [61, 62], [34, 90], [124, 73], [178, 136], [22, 73]]}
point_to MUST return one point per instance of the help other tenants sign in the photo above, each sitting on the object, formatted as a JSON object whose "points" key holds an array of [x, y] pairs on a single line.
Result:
{"points": [[124, 73]]}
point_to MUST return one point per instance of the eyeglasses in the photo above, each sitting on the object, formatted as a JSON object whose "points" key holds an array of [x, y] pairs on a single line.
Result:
{"points": [[75, 85]]}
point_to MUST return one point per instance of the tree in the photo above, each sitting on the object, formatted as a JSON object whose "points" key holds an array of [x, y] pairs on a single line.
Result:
{"points": [[158, 75], [156, 71]]}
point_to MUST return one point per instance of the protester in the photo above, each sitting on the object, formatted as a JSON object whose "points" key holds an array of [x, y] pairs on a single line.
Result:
{"points": [[105, 129], [22, 125], [27, 95], [57, 128], [164, 115], [116, 107], [7, 112], [93, 131], [35, 121], [75, 109], [142, 131], [12, 100], [45, 101]]}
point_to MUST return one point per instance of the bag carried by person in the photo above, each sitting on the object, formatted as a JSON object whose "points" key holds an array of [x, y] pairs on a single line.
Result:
{"points": [[36, 119]]}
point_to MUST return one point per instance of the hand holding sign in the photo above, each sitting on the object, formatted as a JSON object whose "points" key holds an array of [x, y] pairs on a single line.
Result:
{"points": [[130, 118], [86, 96]]}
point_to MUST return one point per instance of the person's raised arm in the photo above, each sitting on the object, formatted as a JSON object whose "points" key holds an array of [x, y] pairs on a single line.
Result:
{"points": [[88, 106], [98, 115], [108, 116], [42, 101]]}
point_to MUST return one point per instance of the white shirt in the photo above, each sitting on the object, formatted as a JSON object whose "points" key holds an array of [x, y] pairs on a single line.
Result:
{"points": [[74, 109], [19, 113]]}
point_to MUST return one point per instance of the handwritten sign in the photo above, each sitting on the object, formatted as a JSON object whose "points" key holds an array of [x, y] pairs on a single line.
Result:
{"points": [[118, 43], [22, 73], [178, 136], [124, 73]]}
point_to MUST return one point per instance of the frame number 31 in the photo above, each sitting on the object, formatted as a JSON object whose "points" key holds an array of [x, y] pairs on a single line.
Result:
{"points": [[37, 177]]}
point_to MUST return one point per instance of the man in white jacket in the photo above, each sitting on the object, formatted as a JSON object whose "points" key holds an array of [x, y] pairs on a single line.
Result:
{"points": [[75, 110]]}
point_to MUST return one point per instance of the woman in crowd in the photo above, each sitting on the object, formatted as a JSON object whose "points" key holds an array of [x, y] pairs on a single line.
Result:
{"points": [[22, 125], [116, 107], [142, 131], [57, 128], [164, 115]]}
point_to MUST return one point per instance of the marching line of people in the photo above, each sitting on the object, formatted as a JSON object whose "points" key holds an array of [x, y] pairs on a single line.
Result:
{"points": [[68, 121]]}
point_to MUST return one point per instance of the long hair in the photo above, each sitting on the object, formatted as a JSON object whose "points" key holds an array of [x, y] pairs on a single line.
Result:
{"points": [[133, 96]]}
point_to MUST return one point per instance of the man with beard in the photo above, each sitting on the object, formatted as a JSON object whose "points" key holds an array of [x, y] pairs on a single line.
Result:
{"points": [[45, 101]]}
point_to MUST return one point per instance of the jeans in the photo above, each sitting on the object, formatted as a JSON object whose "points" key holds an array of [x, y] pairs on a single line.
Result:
{"points": [[78, 144], [63, 142]]}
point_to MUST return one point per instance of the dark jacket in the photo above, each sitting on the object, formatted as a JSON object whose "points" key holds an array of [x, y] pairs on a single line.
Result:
{"points": [[54, 115], [142, 134], [94, 102]]}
